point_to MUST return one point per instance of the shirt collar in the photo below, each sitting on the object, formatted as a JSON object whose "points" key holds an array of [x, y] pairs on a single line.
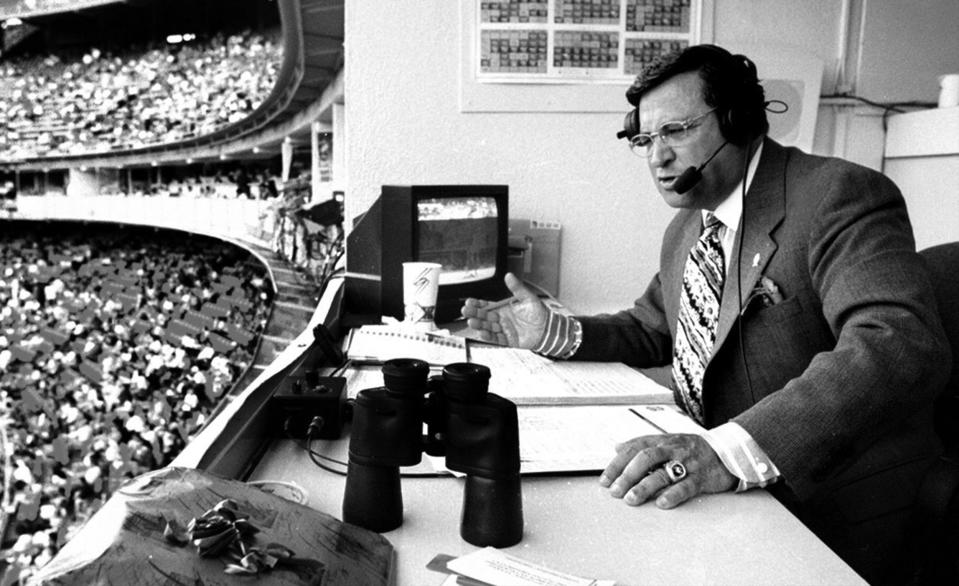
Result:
{"points": [[731, 209]]}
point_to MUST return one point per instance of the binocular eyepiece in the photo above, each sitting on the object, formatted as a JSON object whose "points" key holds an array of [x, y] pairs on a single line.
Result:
{"points": [[475, 430]]}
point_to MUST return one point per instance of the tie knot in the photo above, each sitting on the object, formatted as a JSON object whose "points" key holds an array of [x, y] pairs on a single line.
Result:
{"points": [[711, 223]]}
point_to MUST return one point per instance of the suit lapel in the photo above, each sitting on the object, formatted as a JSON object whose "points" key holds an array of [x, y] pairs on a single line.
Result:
{"points": [[763, 211]]}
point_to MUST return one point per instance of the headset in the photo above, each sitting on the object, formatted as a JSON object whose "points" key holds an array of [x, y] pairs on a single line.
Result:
{"points": [[731, 85]]}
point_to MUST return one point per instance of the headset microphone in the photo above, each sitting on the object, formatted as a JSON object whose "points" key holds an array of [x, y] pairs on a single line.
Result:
{"points": [[691, 176]]}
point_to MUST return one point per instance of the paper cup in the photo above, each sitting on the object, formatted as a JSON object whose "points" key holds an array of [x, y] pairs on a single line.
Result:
{"points": [[421, 281], [949, 90]]}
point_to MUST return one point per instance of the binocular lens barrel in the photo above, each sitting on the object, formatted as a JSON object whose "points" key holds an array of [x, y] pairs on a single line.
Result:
{"points": [[492, 511], [387, 428], [466, 382], [406, 376], [373, 498]]}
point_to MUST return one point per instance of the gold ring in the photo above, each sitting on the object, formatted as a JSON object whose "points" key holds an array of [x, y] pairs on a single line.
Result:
{"points": [[675, 471]]}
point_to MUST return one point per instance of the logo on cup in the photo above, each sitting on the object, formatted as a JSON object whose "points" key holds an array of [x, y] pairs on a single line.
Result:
{"points": [[420, 288]]}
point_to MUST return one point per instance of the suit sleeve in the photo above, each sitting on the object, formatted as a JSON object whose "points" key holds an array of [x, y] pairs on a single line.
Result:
{"points": [[638, 336], [890, 356]]}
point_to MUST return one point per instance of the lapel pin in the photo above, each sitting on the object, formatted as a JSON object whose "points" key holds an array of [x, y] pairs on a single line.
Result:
{"points": [[756, 260]]}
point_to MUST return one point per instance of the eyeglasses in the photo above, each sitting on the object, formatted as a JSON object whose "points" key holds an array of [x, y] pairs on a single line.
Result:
{"points": [[671, 134]]}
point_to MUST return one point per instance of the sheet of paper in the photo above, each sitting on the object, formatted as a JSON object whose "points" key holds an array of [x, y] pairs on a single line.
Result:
{"points": [[530, 379], [362, 377], [668, 418], [575, 438], [498, 568]]}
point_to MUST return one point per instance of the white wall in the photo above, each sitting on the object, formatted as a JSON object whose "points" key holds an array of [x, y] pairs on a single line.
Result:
{"points": [[404, 125]]}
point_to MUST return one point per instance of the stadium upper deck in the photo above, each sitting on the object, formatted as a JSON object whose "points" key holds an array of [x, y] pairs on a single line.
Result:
{"points": [[27, 8], [307, 83]]}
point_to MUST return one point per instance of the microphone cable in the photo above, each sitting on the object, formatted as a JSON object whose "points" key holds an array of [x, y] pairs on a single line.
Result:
{"points": [[781, 107], [739, 273]]}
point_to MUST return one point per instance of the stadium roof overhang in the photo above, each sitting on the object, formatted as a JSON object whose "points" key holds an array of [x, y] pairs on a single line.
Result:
{"points": [[308, 86]]}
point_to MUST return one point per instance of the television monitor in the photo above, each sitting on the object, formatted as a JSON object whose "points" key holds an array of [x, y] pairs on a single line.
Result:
{"points": [[462, 227]]}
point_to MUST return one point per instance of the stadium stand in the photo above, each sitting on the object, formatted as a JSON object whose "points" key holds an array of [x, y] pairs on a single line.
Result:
{"points": [[101, 101], [97, 388], [110, 368]]}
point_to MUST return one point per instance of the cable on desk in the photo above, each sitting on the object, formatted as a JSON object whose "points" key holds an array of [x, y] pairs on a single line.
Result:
{"points": [[339, 370], [316, 424], [317, 458], [322, 461]]}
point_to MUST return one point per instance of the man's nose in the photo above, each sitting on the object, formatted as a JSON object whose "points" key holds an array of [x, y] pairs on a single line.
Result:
{"points": [[660, 154]]}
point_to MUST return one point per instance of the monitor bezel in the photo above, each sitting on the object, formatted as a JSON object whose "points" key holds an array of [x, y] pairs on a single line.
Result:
{"points": [[401, 203]]}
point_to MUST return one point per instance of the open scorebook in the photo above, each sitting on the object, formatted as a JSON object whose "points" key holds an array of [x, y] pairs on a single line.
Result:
{"points": [[563, 439], [522, 376], [571, 413], [526, 378]]}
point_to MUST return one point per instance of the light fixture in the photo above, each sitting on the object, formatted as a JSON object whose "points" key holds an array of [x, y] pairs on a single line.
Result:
{"points": [[176, 39]]}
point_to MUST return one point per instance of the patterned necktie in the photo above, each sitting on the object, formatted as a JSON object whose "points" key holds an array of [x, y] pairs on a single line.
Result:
{"points": [[698, 315]]}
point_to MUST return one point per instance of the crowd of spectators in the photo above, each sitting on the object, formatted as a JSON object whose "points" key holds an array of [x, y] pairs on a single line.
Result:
{"points": [[251, 182], [115, 347], [103, 100], [240, 183]]}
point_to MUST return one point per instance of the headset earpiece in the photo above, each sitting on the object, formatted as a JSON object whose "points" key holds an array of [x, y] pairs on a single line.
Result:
{"points": [[744, 96], [747, 118], [727, 125], [630, 125]]}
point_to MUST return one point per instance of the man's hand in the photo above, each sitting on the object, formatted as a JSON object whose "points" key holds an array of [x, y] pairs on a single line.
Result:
{"points": [[636, 473], [521, 324]]}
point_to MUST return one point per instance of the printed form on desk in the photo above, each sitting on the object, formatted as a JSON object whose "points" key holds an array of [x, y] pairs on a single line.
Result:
{"points": [[526, 378], [576, 438], [583, 438]]}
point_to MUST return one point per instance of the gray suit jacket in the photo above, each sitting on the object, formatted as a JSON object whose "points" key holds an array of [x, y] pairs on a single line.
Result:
{"points": [[836, 381]]}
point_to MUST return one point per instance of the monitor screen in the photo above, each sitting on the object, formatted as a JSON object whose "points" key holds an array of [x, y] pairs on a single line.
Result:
{"points": [[462, 227], [460, 233]]}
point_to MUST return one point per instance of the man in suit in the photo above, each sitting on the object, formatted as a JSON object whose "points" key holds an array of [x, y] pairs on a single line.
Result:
{"points": [[800, 326]]}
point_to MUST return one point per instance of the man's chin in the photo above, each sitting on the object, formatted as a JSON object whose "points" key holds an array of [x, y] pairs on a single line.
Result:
{"points": [[677, 200]]}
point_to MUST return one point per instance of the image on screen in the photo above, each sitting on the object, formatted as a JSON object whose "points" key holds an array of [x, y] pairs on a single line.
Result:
{"points": [[459, 233]]}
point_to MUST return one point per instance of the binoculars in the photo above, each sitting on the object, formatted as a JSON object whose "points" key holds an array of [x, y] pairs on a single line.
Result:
{"points": [[475, 430]]}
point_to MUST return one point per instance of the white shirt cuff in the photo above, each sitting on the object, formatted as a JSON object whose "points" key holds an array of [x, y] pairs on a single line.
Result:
{"points": [[742, 456]]}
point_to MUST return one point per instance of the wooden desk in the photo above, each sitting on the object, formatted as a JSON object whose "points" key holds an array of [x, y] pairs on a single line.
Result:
{"points": [[572, 525]]}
